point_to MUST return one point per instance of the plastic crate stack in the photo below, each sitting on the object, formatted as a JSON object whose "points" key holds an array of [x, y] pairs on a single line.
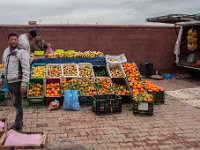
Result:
{"points": [[112, 89], [86, 83], [157, 92], [107, 104], [120, 85], [36, 88], [142, 100]]}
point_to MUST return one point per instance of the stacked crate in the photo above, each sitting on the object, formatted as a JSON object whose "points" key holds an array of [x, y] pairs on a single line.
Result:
{"points": [[35, 88], [142, 101]]}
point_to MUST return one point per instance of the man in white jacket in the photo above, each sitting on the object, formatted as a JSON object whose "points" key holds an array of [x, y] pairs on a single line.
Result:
{"points": [[26, 38], [16, 71]]}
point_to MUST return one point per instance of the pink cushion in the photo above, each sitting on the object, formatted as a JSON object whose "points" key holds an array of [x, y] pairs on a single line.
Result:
{"points": [[2, 125], [19, 139]]}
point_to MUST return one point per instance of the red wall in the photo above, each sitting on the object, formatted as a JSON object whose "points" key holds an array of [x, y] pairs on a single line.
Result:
{"points": [[138, 43]]}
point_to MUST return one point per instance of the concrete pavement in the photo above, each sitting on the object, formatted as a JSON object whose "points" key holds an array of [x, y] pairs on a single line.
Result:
{"points": [[174, 125]]}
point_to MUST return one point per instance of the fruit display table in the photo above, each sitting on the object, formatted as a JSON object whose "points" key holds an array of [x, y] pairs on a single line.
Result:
{"points": [[96, 76]]}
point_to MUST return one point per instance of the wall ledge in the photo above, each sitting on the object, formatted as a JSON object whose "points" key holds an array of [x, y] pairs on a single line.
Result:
{"points": [[83, 26]]}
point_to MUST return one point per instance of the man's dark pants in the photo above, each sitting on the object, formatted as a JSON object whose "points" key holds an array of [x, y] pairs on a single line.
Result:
{"points": [[14, 89]]}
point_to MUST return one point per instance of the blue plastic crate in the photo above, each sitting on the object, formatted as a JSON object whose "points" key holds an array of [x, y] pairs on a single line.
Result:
{"points": [[94, 61]]}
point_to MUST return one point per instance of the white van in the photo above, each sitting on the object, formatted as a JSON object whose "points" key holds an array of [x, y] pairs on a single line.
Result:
{"points": [[187, 47]]}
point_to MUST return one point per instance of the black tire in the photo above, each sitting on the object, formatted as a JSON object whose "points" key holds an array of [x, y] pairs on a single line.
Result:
{"points": [[194, 74]]}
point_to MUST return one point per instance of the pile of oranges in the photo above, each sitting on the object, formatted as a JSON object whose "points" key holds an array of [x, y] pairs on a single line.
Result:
{"points": [[133, 78], [87, 87], [151, 87], [35, 90], [130, 70], [53, 89], [120, 89], [69, 84], [104, 85], [143, 97], [136, 86]]}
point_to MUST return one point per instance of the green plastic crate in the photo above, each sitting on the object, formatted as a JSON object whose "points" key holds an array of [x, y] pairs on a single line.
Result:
{"points": [[39, 99], [2, 96]]}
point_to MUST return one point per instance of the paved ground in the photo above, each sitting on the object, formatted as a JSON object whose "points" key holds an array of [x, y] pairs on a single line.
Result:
{"points": [[191, 96], [174, 125]]}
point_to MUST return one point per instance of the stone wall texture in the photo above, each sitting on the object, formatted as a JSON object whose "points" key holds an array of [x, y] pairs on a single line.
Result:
{"points": [[154, 44]]}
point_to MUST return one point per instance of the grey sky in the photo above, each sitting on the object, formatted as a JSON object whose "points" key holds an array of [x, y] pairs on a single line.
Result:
{"points": [[91, 11]]}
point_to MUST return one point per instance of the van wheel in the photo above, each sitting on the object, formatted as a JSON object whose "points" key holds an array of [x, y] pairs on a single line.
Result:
{"points": [[194, 74]]}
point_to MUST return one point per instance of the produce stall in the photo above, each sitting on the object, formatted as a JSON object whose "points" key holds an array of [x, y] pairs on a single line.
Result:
{"points": [[103, 82]]}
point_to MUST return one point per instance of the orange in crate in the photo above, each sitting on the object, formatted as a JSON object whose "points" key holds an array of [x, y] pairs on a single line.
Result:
{"points": [[53, 87], [86, 87], [131, 70], [104, 85], [151, 87], [120, 89]]}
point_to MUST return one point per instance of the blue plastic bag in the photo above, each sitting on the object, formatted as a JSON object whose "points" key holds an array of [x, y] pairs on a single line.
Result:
{"points": [[4, 87], [71, 101]]}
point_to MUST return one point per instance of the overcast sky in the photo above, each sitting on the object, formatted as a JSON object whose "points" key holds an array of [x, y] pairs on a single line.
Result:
{"points": [[91, 11]]}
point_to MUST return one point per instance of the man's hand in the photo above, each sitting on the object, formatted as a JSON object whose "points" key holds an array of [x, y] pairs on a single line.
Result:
{"points": [[23, 89]]}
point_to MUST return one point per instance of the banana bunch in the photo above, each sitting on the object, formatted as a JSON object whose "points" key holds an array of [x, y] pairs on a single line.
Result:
{"points": [[56, 55], [69, 55], [78, 54], [61, 55], [92, 54], [192, 40], [98, 54], [86, 54], [51, 56]]}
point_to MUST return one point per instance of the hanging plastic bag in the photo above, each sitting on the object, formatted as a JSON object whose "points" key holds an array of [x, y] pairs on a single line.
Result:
{"points": [[49, 50], [4, 87], [71, 101]]}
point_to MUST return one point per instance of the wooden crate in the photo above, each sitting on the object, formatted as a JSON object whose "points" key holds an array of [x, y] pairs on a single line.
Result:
{"points": [[5, 127], [42, 145]]}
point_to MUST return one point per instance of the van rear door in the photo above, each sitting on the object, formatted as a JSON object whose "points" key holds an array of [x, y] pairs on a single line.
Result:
{"points": [[183, 23]]}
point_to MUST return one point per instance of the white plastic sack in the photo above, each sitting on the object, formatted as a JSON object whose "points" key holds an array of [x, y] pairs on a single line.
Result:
{"points": [[116, 59]]}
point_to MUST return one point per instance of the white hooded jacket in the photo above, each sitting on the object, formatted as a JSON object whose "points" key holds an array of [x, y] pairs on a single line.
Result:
{"points": [[24, 42], [16, 66]]}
